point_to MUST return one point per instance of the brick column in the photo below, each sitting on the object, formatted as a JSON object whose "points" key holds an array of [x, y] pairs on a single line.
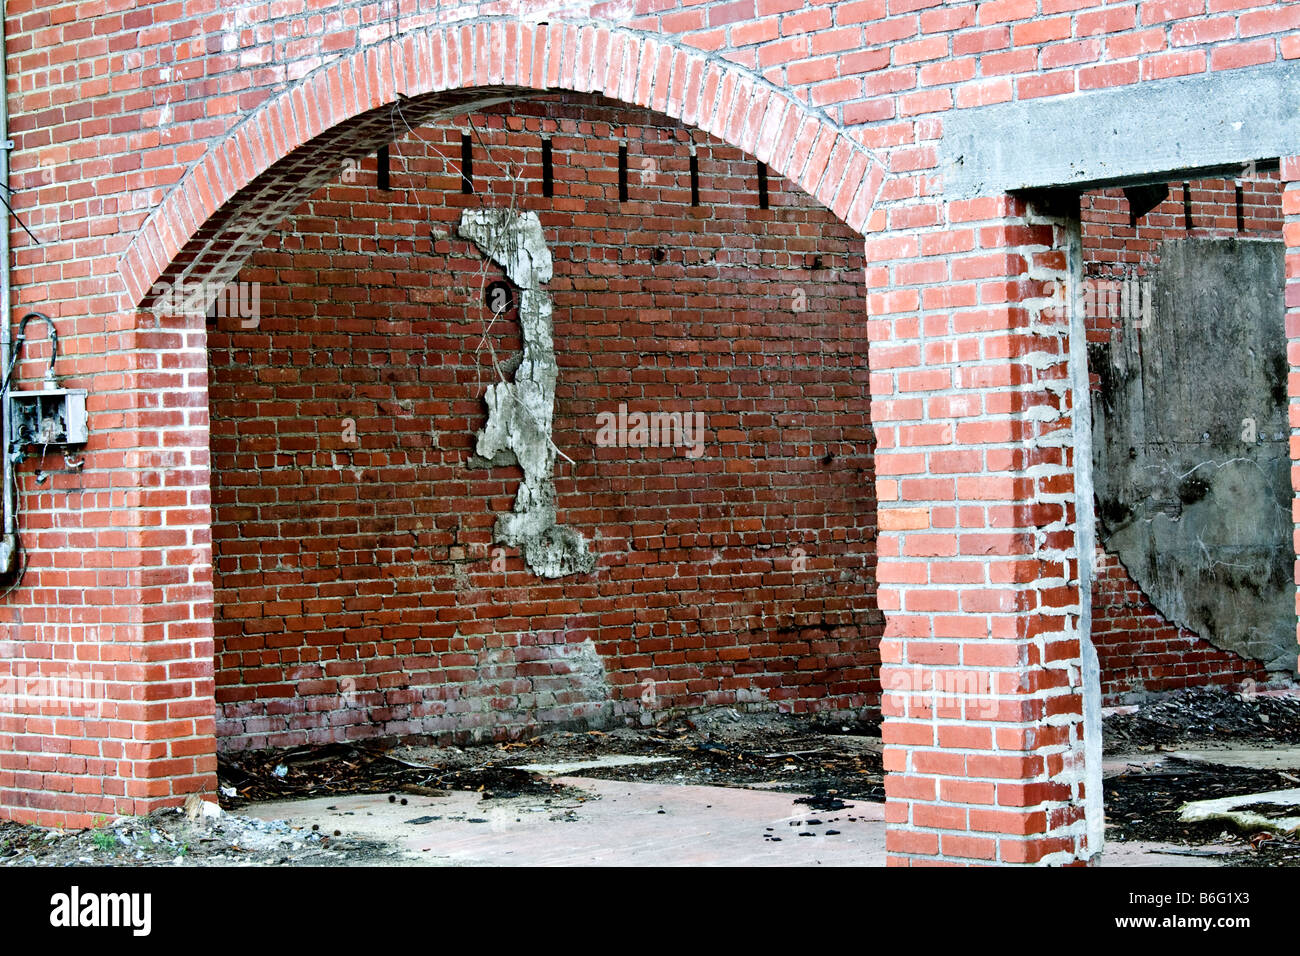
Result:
{"points": [[1291, 235], [978, 561], [106, 670], [174, 744]]}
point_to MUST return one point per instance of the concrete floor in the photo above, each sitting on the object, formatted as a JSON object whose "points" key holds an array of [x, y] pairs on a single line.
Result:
{"points": [[620, 823], [1245, 756]]}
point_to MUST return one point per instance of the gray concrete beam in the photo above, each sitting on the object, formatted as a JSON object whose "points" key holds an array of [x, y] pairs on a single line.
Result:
{"points": [[1155, 130]]}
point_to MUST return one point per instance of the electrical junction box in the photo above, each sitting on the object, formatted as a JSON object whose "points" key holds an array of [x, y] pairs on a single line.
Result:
{"points": [[48, 417]]}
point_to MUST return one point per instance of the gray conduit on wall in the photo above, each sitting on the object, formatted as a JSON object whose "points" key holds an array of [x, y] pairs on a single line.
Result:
{"points": [[8, 492]]}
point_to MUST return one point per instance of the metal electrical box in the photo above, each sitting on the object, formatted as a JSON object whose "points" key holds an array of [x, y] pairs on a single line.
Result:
{"points": [[42, 418], [48, 417]]}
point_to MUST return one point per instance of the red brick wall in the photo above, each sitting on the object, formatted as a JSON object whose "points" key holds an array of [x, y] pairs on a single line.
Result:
{"points": [[357, 592], [1139, 649], [141, 130], [1110, 243], [1141, 652]]}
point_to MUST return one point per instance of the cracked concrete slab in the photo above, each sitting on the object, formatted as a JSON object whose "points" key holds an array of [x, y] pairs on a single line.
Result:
{"points": [[1276, 810], [618, 823], [1250, 758], [1114, 765], [1145, 854], [625, 823]]}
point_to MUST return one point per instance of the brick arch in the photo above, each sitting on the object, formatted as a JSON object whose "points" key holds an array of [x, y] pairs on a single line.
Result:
{"points": [[260, 172]]}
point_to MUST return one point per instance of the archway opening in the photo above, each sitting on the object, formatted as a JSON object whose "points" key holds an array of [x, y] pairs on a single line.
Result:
{"points": [[711, 436]]}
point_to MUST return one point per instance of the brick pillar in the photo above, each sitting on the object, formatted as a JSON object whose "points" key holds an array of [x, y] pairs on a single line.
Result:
{"points": [[106, 670], [983, 666], [1291, 234], [175, 743]]}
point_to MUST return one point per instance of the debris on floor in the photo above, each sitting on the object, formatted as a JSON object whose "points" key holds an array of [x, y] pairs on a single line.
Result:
{"points": [[1207, 714], [1156, 770], [171, 837], [406, 804], [343, 768], [812, 782], [785, 753]]}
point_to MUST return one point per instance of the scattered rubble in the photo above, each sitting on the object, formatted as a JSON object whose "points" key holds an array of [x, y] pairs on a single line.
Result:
{"points": [[722, 747], [176, 837], [1146, 801], [259, 775], [1207, 714]]}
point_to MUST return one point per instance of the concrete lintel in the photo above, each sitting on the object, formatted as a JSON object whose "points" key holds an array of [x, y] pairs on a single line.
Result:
{"points": [[1160, 128]]}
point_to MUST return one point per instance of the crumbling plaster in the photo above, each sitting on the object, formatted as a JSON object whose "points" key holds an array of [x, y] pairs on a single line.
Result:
{"points": [[521, 411]]}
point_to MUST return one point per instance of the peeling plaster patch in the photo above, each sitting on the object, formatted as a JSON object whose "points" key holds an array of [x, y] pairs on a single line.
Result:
{"points": [[520, 412]]}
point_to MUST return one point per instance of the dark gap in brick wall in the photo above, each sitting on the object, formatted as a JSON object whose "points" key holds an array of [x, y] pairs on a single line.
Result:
{"points": [[622, 173], [1140, 651], [466, 164], [548, 172]]}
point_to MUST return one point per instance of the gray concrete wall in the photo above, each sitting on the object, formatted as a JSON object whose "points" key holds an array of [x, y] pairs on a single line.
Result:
{"points": [[1191, 461]]}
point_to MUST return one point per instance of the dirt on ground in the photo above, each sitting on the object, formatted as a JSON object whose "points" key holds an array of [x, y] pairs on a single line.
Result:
{"points": [[1144, 802], [175, 837], [1208, 714], [719, 748], [827, 761], [336, 769], [831, 761]]}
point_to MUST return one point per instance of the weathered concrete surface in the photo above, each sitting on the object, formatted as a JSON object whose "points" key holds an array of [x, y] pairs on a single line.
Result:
{"points": [[1244, 811], [1142, 853], [1220, 119], [1250, 758], [1114, 765], [620, 823], [573, 766], [521, 411], [1085, 538], [1191, 464], [1247, 757]]}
